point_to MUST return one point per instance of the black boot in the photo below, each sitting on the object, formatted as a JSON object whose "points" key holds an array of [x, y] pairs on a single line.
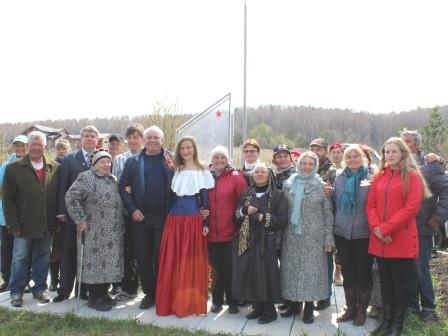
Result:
{"points": [[293, 309], [386, 320], [352, 305], [54, 276], [397, 322], [308, 316]]}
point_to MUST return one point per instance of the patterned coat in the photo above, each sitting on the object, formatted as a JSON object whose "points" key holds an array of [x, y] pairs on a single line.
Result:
{"points": [[94, 198], [304, 265]]}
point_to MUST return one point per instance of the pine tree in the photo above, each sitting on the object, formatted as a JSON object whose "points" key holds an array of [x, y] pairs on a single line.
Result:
{"points": [[435, 134]]}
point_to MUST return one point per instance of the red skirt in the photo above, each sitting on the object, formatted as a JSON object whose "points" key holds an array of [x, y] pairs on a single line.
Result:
{"points": [[182, 284]]}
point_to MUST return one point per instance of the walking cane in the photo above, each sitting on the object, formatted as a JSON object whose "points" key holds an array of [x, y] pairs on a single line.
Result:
{"points": [[83, 240], [337, 310]]}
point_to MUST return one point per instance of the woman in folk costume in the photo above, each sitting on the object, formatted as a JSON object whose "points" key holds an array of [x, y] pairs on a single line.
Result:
{"points": [[182, 284], [262, 210]]}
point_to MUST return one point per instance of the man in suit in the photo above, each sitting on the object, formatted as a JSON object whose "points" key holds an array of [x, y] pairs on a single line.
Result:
{"points": [[72, 165], [145, 188]]}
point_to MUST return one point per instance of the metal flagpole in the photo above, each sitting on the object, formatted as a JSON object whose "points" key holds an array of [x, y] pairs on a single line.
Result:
{"points": [[245, 75]]}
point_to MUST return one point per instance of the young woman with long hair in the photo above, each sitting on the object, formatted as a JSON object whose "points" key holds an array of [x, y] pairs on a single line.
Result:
{"points": [[392, 205], [182, 285]]}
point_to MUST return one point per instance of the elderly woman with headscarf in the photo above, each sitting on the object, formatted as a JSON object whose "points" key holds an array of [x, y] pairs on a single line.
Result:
{"points": [[306, 239], [95, 205], [262, 211], [223, 200]]}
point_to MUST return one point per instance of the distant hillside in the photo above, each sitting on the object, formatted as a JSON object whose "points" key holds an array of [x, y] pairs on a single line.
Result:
{"points": [[299, 124]]}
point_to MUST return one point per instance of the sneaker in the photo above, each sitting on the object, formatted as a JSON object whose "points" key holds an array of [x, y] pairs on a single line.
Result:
{"points": [[115, 290], [42, 297], [4, 287], [16, 301], [123, 296]]}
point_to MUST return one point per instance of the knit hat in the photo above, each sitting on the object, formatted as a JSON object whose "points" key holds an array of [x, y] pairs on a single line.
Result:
{"points": [[99, 154], [220, 150]]}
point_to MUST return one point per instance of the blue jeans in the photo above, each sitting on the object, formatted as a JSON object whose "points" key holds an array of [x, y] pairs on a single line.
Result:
{"points": [[330, 272], [38, 249], [421, 281]]}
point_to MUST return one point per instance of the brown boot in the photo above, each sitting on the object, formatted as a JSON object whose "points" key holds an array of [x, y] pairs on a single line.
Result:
{"points": [[363, 303], [350, 298]]}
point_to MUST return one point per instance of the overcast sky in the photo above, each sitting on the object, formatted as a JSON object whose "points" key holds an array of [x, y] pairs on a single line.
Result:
{"points": [[73, 59]]}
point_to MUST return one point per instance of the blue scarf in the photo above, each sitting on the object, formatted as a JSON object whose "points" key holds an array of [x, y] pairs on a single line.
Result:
{"points": [[348, 201], [296, 186]]}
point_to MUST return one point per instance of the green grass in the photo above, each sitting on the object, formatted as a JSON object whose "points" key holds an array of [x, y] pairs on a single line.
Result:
{"points": [[415, 327], [24, 323]]}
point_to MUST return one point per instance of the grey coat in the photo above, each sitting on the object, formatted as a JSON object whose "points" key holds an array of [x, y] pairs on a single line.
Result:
{"points": [[346, 225], [437, 205], [304, 265], [95, 198]]}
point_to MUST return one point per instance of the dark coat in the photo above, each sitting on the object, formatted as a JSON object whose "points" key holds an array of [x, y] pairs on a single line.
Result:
{"points": [[29, 208], [72, 164], [256, 273], [437, 205], [132, 176]]}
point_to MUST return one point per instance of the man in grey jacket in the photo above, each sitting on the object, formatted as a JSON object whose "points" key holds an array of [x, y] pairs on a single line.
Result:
{"points": [[433, 213]]}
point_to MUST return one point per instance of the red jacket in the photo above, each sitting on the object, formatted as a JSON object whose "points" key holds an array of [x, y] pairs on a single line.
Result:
{"points": [[394, 212], [223, 200]]}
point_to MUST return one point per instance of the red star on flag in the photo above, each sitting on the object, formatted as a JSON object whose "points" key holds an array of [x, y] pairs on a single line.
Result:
{"points": [[218, 114]]}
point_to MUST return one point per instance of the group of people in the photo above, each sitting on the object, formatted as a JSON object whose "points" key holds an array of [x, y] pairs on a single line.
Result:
{"points": [[269, 232]]}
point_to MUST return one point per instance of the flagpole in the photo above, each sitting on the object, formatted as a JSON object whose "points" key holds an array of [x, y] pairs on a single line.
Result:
{"points": [[245, 75]]}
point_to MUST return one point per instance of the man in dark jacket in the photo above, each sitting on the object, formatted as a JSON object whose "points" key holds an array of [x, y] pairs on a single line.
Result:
{"points": [[72, 165], [327, 171], [145, 188], [30, 211], [433, 213], [284, 164]]}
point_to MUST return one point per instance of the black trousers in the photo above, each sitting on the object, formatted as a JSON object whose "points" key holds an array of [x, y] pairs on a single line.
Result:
{"points": [[68, 259], [220, 255], [129, 283], [356, 262], [7, 244], [97, 291], [146, 239], [395, 285]]}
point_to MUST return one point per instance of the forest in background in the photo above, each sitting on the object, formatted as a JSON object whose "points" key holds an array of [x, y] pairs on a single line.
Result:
{"points": [[295, 126]]}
